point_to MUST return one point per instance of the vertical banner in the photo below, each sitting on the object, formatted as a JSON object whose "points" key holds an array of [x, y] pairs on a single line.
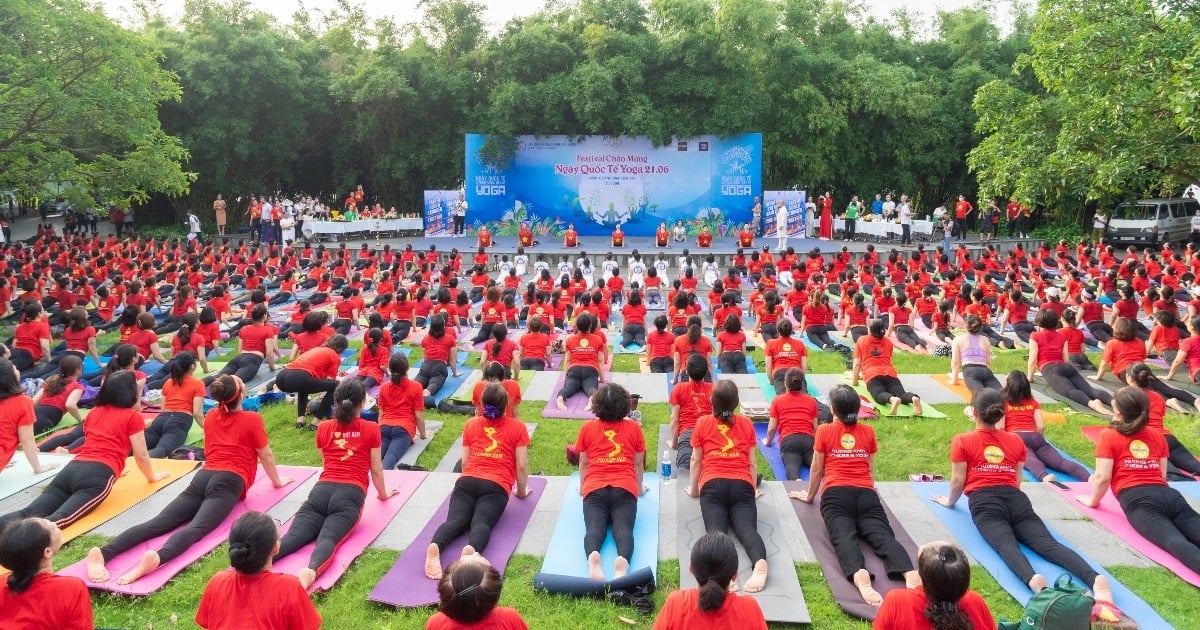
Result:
{"points": [[437, 211], [596, 183], [794, 200]]}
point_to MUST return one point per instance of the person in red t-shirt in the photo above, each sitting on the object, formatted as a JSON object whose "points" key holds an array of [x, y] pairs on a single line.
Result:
{"points": [[986, 466], [723, 477], [18, 417], [31, 340], [873, 364], [256, 343], [618, 236], [32, 596], [612, 459], [401, 412], [1131, 459], [783, 353], [113, 430], [314, 372], [1023, 416], [472, 574], [842, 469], [704, 238], [250, 595], [440, 344], [793, 416], [525, 235], [660, 345], [495, 457], [731, 346], [942, 599], [691, 399], [373, 358], [585, 352], [534, 346], [570, 236], [662, 236], [493, 372], [350, 452], [714, 563], [633, 315], [235, 441]]}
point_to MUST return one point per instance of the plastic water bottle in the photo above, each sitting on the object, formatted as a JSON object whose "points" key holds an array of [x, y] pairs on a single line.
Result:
{"points": [[666, 467]]}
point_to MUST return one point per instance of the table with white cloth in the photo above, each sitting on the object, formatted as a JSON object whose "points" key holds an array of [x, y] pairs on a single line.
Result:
{"points": [[884, 229], [339, 229]]}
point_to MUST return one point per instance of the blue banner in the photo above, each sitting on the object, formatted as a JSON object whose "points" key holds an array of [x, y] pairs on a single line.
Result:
{"points": [[437, 211], [794, 201], [598, 182]]}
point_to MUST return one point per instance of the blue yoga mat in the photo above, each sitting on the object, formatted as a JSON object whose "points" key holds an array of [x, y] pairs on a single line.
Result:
{"points": [[1058, 474], [958, 521], [1187, 488], [452, 384], [772, 455], [565, 554]]}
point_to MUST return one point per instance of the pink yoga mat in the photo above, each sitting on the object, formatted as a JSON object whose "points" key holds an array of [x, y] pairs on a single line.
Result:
{"points": [[1110, 515], [405, 584], [260, 498], [575, 404], [376, 516]]}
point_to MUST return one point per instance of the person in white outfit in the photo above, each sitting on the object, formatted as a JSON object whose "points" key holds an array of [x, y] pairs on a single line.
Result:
{"points": [[781, 224]]}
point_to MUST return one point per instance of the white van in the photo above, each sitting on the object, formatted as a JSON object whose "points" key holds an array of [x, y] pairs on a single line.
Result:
{"points": [[1151, 221]]}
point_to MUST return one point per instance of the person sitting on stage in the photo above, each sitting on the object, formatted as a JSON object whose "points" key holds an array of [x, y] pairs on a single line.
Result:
{"points": [[662, 237], [525, 235], [485, 236], [570, 237], [746, 236], [618, 236], [679, 232], [704, 238]]}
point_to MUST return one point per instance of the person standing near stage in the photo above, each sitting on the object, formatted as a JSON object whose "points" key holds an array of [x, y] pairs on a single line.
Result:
{"points": [[219, 215], [1013, 213], [905, 211], [459, 215], [962, 209], [827, 216], [851, 217], [781, 224], [756, 221]]}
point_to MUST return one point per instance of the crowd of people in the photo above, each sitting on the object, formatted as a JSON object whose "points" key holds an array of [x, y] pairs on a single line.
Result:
{"points": [[682, 313]]}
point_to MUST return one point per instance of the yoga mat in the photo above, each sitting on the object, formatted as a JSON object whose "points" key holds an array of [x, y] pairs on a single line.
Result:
{"points": [[260, 497], [575, 404], [1040, 387], [451, 385], [565, 555], [958, 521], [542, 385], [905, 411], [631, 349], [375, 517], [68, 421], [129, 490], [19, 475], [1058, 474], [405, 584], [844, 592], [772, 455], [1049, 417], [782, 600]]}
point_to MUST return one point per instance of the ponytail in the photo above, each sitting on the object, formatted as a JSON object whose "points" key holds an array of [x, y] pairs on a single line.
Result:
{"points": [[348, 400], [398, 366], [374, 338], [22, 547], [181, 366], [499, 333]]}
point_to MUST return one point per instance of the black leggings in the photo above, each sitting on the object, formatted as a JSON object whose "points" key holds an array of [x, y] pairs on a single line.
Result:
{"points": [[432, 375], [944, 335], [1165, 390], [73, 493], [820, 336], [977, 377], [302, 384], [796, 450], [1101, 331], [200, 509], [1180, 457], [683, 450], [1042, 455], [732, 363], [662, 365], [71, 440], [536, 365], [1081, 362], [245, 366], [1005, 518], [48, 417], [1163, 516], [580, 378], [908, 336], [328, 515], [342, 325], [882, 388], [168, 432], [475, 506], [633, 334], [604, 507], [279, 298], [401, 329], [485, 332], [852, 514], [1023, 330], [767, 331], [730, 502], [998, 340], [1066, 380]]}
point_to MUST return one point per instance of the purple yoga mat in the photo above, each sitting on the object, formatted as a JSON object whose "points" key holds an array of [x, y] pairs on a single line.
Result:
{"points": [[575, 404], [260, 498], [847, 595], [376, 516], [405, 584]]}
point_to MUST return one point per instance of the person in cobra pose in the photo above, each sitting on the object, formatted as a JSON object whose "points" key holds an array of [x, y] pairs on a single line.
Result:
{"points": [[971, 353], [1048, 353], [873, 363]]}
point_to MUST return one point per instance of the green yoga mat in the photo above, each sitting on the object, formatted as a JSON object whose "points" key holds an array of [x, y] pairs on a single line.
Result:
{"points": [[905, 411]]}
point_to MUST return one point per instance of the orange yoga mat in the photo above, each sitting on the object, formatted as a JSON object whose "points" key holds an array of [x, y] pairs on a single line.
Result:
{"points": [[1049, 417], [129, 490]]}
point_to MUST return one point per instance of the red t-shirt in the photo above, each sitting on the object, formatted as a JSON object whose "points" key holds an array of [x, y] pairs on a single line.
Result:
{"points": [[514, 396], [29, 336], [182, 397], [847, 450], [59, 400], [15, 411], [142, 340], [1074, 338], [106, 436], [231, 443], [77, 340], [1191, 348], [731, 342], [346, 451], [1137, 459], [1164, 338], [796, 413], [682, 611], [875, 356], [306, 341], [504, 356], [694, 400], [320, 362], [1122, 354], [1050, 347], [1020, 416], [52, 602], [491, 449], [685, 347], [501, 618], [194, 344], [534, 345], [726, 450], [609, 448], [374, 363], [254, 337], [398, 404], [786, 352], [991, 457], [234, 601], [905, 608], [634, 314], [439, 349], [584, 350], [659, 344]]}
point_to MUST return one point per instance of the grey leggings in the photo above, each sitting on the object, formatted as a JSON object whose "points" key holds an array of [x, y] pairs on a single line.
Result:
{"points": [[977, 377]]}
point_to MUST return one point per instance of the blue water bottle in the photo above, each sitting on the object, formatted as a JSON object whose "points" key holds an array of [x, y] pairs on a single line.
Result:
{"points": [[666, 466]]}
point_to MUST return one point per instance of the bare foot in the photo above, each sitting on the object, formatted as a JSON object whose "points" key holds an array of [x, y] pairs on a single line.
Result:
{"points": [[918, 410], [1176, 405], [620, 567], [306, 576], [588, 406], [468, 551], [862, 580], [1037, 583], [595, 571], [1101, 589], [1049, 478], [560, 403], [733, 585], [895, 406], [1099, 407], [96, 571], [912, 579], [148, 564], [758, 579], [433, 562]]}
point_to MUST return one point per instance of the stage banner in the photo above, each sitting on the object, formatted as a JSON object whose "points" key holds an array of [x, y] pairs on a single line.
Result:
{"points": [[598, 182], [794, 200], [437, 211]]}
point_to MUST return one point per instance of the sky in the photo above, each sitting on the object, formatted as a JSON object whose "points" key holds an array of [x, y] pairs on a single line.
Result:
{"points": [[498, 11]]}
